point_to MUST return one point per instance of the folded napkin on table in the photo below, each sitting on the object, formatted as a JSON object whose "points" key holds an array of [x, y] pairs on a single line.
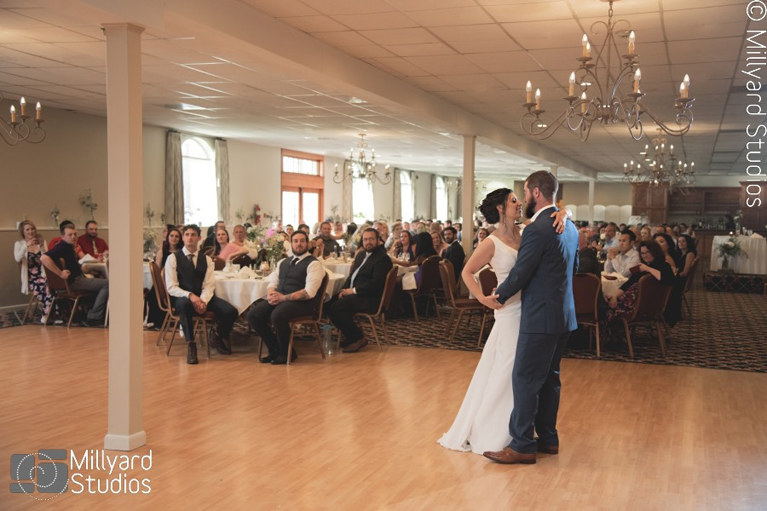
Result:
{"points": [[87, 258], [246, 273]]}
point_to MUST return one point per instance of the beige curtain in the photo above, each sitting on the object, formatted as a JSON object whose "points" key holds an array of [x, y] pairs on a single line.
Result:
{"points": [[222, 178], [174, 180], [433, 197], [346, 196]]}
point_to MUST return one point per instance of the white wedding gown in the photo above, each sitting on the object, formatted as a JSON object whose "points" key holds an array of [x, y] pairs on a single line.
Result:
{"points": [[482, 423]]}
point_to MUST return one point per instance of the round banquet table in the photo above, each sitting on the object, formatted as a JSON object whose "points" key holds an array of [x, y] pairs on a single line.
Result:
{"points": [[755, 248], [338, 266], [610, 286], [241, 292]]}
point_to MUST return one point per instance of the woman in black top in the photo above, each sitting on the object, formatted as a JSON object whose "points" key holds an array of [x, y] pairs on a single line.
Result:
{"points": [[687, 254], [170, 244], [653, 263]]}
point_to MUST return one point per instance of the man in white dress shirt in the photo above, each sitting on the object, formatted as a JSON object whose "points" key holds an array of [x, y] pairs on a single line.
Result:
{"points": [[622, 258], [190, 283], [289, 293]]}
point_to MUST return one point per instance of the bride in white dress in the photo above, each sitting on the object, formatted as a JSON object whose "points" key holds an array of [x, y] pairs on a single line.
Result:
{"points": [[482, 423]]}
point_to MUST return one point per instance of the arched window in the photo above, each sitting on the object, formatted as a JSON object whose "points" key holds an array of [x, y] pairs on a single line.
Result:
{"points": [[406, 196], [441, 198], [198, 163], [363, 207]]}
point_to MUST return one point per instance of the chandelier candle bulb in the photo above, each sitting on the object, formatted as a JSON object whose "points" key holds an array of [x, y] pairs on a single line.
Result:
{"points": [[38, 112], [537, 99], [632, 40], [13, 114], [584, 46], [584, 105], [637, 78], [529, 92], [671, 149], [571, 90], [23, 103]]}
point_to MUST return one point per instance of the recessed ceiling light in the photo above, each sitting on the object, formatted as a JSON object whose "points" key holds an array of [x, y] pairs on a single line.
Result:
{"points": [[184, 106], [357, 101]]}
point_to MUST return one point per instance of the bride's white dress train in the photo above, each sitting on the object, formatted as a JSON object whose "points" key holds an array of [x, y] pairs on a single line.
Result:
{"points": [[482, 423]]}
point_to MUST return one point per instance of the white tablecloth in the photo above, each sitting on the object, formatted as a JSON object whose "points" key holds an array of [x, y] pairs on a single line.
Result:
{"points": [[610, 286], [242, 292], [338, 266], [147, 277], [408, 276], [755, 263]]}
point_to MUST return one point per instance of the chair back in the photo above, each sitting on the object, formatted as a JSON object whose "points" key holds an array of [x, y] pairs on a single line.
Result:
{"points": [[319, 298], [586, 289], [430, 278], [55, 283], [691, 274], [242, 260], [447, 276], [488, 280], [388, 291], [161, 292], [218, 263], [651, 300]]}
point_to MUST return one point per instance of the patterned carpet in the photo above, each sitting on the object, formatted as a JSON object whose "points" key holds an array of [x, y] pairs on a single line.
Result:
{"points": [[726, 331]]}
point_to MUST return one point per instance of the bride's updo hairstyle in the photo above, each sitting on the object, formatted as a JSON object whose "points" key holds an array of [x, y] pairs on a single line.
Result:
{"points": [[489, 206]]}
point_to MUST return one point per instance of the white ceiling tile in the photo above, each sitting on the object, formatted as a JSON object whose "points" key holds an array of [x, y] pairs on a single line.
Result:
{"points": [[400, 36], [445, 64], [312, 24], [336, 7], [544, 34], [513, 12], [381, 21], [412, 50], [451, 16]]}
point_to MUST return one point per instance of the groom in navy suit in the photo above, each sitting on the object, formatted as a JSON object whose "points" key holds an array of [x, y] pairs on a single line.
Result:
{"points": [[544, 273]]}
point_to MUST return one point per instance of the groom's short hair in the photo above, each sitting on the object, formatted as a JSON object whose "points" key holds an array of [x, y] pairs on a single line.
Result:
{"points": [[545, 182]]}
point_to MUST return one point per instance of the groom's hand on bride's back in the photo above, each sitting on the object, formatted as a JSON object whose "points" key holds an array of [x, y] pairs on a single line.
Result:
{"points": [[490, 301]]}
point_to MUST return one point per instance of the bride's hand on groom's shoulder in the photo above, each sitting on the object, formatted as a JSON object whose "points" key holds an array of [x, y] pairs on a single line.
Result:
{"points": [[559, 217]]}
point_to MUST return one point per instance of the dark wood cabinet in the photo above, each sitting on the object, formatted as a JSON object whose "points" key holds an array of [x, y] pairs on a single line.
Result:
{"points": [[753, 205], [649, 201]]}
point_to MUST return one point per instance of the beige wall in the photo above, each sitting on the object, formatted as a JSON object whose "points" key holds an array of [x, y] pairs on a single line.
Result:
{"points": [[604, 193]]}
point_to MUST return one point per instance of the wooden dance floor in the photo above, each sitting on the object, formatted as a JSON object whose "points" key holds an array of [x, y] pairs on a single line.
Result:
{"points": [[359, 431]]}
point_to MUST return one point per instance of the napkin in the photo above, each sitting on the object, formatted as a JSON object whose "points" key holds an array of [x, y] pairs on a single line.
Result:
{"points": [[246, 273], [87, 258]]}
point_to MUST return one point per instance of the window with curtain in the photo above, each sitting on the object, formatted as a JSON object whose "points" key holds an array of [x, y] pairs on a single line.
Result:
{"points": [[441, 198], [406, 195], [363, 207], [303, 187], [198, 164]]}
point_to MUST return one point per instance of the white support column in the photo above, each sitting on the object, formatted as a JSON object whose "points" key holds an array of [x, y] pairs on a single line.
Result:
{"points": [[591, 203], [125, 426], [467, 192]]}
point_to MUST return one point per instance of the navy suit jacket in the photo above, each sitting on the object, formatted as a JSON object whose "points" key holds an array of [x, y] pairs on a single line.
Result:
{"points": [[544, 273], [371, 279]]}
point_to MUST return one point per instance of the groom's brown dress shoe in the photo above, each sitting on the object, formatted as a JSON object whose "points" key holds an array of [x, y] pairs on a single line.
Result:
{"points": [[510, 456], [546, 448]]}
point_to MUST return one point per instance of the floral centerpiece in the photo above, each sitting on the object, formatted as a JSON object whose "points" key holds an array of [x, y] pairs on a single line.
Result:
{"points": [[728, 249], [86, 201], [275, 247]]}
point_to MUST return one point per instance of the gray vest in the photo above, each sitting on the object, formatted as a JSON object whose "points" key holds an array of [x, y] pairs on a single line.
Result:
{"points": [[191, 278], [293, 276]]}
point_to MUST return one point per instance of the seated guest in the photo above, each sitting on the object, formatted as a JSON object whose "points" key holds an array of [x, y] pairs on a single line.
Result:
{"points": [[72, 273], [458, 227], [394, 236], [290, 289], [238, 246], [362, 290], [588, 261], [482, 233], [171, 244], [437, 242], [688, 253], [210, 239], [289, 230], [424, 247], [624, 257], [645, 234], [324, 243], [90, 243], [653, 263], [55, 241], [402, 250], [610, 240], [454, 251], [28, 251], [669, 250], [222, 241], [190, 283]]}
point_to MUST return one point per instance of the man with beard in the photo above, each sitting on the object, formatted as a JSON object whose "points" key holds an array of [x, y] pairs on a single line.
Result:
{"points": [[90, 243], [325, 244], [290, 289], [362, 290], [544, 272], [454, 251]]}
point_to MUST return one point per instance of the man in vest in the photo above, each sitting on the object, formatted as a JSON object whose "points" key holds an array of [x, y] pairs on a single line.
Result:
{"points": [[290, 289], [190, 282], [362, 290]]}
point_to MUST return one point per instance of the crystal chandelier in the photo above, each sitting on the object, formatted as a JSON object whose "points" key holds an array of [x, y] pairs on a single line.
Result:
{"points": [[608, 94], [21, 127], [360, 167], [660, 166]]}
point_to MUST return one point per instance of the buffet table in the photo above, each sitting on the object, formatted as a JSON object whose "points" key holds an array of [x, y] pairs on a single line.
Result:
{"points": [[754, 263]]}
